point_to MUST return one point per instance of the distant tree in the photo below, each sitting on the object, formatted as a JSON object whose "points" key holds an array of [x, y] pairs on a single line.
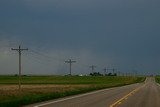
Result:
{"points": [[15, 75], [111, 74], [96, 74]]}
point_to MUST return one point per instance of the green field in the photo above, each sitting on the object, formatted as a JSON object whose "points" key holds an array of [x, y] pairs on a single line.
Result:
{"points": [[66, 80], [51, 87]]}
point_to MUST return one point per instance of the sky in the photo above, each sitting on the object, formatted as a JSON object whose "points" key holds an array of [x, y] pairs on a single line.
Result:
{"points": [[120, 34]]}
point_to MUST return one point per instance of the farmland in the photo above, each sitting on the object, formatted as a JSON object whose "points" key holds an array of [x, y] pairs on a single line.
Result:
{"points": [[40, 88]]}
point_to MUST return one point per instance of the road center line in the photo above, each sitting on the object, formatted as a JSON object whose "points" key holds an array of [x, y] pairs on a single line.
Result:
{"points": [[72, 97], [126, 96]]}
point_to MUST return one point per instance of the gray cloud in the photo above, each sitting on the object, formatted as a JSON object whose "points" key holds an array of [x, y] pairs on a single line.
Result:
{"points": [[119, 33]]}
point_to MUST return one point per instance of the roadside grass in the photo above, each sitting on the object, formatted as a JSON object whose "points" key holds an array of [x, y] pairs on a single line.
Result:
{"points": [[157, 79], [65, 86]]}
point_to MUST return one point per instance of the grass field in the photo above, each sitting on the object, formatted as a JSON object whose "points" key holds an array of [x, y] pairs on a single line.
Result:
{"points": [[40, 88]]}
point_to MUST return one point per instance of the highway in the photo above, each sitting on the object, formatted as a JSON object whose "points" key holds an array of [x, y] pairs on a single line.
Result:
{"points": [[145, 94]]}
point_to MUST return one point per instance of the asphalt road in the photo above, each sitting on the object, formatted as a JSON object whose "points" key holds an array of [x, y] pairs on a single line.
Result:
{"points": [[137, 95], [147, 96]]}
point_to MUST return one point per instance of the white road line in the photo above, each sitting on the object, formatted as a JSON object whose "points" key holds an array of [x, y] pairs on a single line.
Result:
{"points": [[77, 96], [158, 84]]}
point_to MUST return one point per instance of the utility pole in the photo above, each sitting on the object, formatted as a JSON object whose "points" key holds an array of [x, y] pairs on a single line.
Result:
{"points": [[119, 73], [20, 52], [113, 71], [109, 70], [105, 69], [70, 65], [92, 67], [134, 72]]}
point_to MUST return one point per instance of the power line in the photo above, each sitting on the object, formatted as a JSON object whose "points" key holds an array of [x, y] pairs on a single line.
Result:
{"points": [[38, 60], [46, 56], [70, 65], [20, 52], [51, 58]]}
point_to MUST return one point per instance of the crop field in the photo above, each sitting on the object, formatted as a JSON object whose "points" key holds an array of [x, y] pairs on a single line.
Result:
{"points": [[40, 88]]}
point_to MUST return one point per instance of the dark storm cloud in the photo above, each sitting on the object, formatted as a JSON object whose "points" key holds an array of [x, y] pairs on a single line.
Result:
{"points": [[122, 33]]}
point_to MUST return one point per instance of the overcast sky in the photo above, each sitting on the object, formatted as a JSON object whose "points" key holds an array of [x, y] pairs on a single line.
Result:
{"points": [[122, 34]]}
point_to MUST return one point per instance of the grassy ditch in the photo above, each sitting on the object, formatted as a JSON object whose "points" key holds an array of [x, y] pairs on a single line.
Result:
{"points": [[41, 88]]}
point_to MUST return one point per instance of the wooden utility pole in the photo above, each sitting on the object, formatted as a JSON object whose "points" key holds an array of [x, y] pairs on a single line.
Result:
{"points": [[105, 70], [20, 52], [70, 65], [113, 70], [92, 67]]}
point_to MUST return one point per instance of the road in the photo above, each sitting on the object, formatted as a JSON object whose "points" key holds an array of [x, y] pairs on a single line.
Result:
{"points": [[136, 95]]}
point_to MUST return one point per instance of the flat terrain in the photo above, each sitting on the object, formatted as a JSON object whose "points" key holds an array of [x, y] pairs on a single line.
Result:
{"points": [[66, 80], [41, 88], [137, 95]]}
